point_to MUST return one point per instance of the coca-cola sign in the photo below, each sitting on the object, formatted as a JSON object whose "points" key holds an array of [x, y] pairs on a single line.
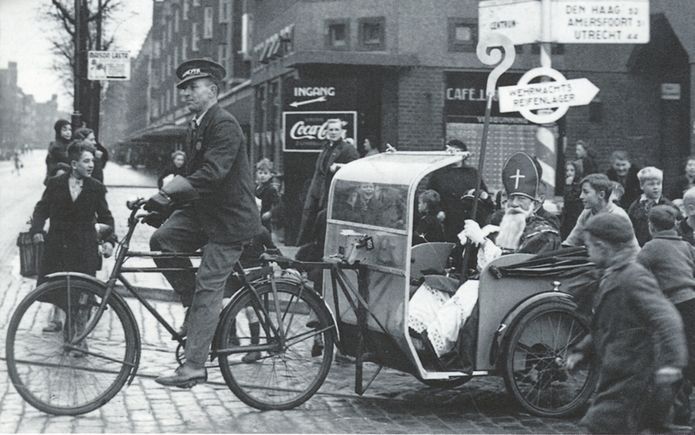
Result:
{"points": [[306, 131]]}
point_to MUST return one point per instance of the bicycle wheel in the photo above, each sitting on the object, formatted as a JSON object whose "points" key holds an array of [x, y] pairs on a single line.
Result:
{"points": [[286, 375], [55, 376], [534, 360]]}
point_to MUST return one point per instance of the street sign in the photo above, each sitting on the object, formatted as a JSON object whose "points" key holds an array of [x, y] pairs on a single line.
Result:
{"points": [[519, 20], [108, 65], [546, 95], [600, 21]]}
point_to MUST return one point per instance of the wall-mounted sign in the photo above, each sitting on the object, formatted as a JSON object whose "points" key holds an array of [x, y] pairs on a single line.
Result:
{"points": [[275, 46], [464, 95], [546, 95], [108, 65], [305, 131], [319, 95], [670, 91]]}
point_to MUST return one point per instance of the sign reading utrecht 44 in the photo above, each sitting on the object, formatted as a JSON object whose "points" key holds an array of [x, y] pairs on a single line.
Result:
{"points": [[600, 21]]}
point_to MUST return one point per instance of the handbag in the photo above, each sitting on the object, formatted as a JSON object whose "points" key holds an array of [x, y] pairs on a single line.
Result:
{"points": [[30, 255]]}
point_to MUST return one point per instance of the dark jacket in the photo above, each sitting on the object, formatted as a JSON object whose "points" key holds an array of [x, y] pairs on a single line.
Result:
{"points": [[681, 184], [270, 198], [57, 158], [672, 261], [639, 216], [587, 165], [341, 152], [219, 170], [429, 229], [100, 163], [572, 208], [631, 184], [71, 242], [635, 331], [452, 183]]}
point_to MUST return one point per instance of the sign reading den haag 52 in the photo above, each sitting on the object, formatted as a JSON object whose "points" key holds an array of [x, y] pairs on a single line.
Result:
{"points": [[108, 65], [306, 131]]}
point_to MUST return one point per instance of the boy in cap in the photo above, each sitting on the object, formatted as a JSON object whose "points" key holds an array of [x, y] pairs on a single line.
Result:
{"points": [[672, 261], [636, 335], [221, 215], [650, 180]]}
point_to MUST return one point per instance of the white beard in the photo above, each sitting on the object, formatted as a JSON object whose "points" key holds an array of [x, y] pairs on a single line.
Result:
{"points": [[511, 229]]}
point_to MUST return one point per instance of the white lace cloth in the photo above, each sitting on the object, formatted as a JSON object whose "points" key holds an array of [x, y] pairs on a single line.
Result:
{"points": [[440, 315]]}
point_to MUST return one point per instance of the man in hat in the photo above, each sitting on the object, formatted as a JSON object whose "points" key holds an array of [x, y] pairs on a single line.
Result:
{"points": [[453, 183], [520, 230], [636, 337], [335, 151], [220, 214]]}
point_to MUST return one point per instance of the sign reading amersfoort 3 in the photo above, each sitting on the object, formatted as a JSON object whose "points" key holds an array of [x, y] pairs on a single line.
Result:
{"points": [[306, 131]]}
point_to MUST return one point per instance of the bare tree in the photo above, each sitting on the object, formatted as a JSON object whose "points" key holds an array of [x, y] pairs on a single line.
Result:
{"points": [[99, 18]]}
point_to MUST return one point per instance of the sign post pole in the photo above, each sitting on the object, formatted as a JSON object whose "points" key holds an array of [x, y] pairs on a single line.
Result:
{"points": [[545, 138]]}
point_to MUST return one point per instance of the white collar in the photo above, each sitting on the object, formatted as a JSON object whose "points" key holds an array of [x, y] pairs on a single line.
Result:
{"points": [[198, 119]]}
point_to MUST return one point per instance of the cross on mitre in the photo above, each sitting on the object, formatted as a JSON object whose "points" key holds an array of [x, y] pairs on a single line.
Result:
{"points": [[521, 175]]}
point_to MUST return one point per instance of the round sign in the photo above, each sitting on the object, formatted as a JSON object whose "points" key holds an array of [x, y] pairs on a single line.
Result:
{"points": [[550, 116]]}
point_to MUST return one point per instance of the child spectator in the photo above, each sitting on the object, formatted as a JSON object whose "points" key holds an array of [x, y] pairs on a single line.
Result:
{"points": [[650, 179], [636, 337], [572, 204], [266, 192], [685, 181], [429, 229], [672, 261]]}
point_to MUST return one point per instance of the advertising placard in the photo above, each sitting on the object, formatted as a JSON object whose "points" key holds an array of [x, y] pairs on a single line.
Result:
{"points": [[108, 65], [306, 131]]}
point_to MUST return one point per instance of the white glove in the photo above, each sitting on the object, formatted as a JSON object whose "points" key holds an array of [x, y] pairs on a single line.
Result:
{"points": [[471, 231]]}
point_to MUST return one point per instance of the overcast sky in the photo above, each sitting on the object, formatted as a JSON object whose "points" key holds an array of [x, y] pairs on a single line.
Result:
{"points": [[22, 40]]}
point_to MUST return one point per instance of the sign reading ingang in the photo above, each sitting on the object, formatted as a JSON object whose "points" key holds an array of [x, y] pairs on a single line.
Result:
{"points": [[306, 131]]}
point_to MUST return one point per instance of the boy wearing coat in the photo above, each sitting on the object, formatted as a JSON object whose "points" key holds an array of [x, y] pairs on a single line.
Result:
{"points": [[636, 336], [672, 261]]}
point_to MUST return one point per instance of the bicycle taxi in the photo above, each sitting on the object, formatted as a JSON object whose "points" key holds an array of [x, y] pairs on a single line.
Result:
{"points": [[526, 324], [263, 343]]}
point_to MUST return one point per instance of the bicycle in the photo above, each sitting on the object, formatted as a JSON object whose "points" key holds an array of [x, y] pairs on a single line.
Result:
{"points": [[84, 367]]}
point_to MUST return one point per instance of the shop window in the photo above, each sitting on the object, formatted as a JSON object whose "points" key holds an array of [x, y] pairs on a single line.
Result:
{"points": [[463, 34], [207, 23], [372, 33], [338, 34], [225, 10], [195, 36]]}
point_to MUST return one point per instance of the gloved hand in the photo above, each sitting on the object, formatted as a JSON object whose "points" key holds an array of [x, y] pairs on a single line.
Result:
{"points": [[155, 219], [160, 202], [471, 231]]}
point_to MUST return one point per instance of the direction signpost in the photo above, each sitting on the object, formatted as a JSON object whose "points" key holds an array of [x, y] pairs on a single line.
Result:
{"points": [[600, 21], [547, 95]]}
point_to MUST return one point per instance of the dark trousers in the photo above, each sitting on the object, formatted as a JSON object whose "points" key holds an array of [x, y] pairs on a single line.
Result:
{"points": [[202, 291], [312, 206]]}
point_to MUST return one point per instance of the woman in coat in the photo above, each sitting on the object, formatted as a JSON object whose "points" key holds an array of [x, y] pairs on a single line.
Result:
{"points": [[572, 204], [176, 167]]}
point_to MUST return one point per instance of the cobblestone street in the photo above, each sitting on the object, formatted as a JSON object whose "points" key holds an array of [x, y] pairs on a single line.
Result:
{"points": [[396, 402]]}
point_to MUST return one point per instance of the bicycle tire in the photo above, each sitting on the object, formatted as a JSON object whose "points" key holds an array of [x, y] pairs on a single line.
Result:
{"points": [[257, 383], [62, 381], [534, 355]]}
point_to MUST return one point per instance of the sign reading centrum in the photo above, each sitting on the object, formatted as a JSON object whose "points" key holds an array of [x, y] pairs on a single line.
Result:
{"points": [[519, 20], [600, 21]]}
